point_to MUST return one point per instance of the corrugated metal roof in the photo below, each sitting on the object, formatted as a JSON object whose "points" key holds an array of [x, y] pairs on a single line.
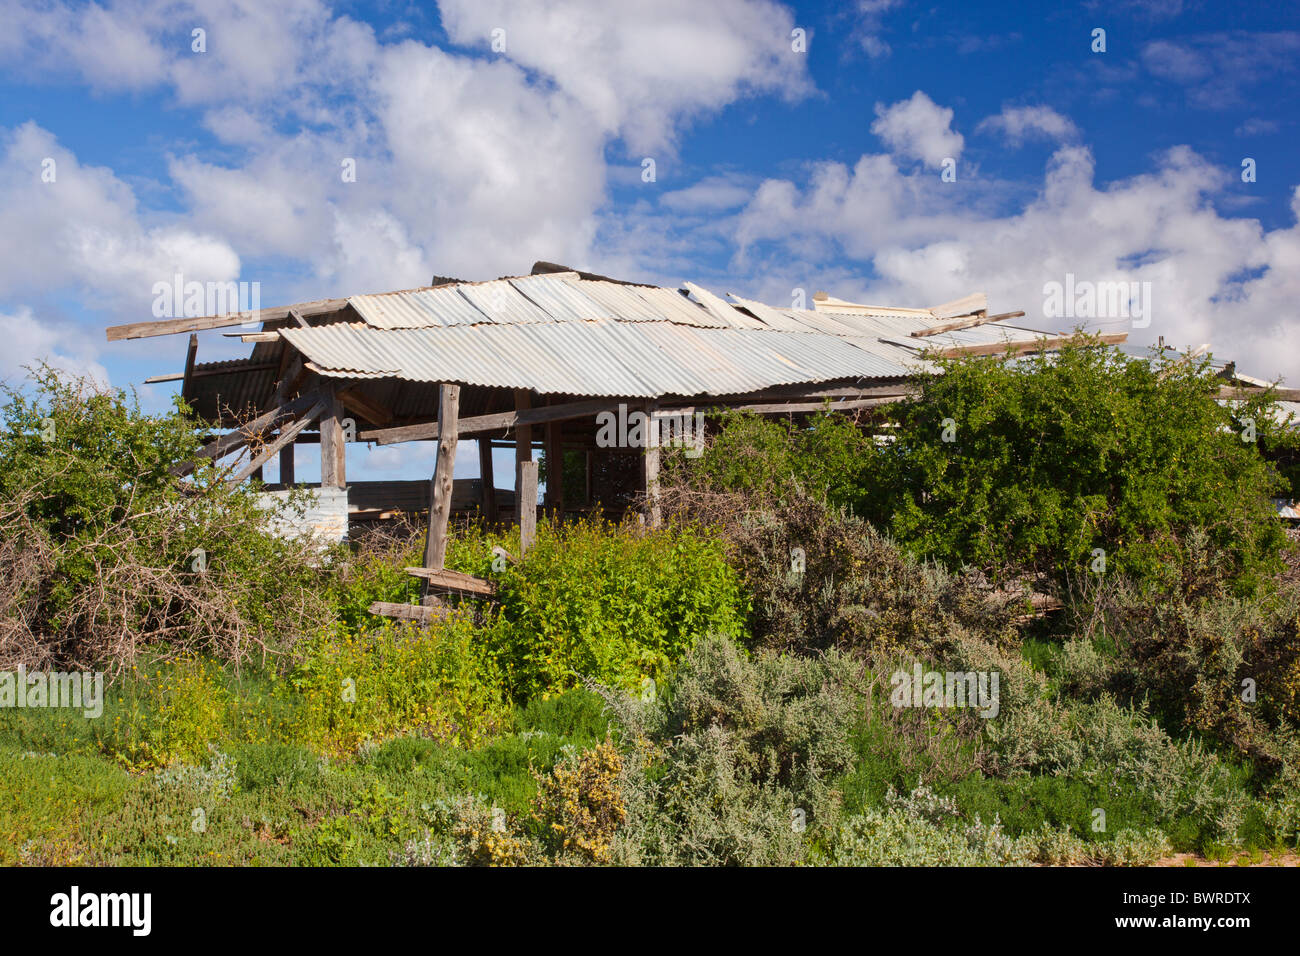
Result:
{"points": [[599, 358]]}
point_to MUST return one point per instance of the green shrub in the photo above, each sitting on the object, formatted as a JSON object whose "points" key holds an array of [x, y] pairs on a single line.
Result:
{"points": [[617, 604], [104, 553], [1032, 464]]}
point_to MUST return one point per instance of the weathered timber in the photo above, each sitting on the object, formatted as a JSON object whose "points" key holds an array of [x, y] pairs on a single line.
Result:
{"points": [[526, 503], [435, 544], [477, 424], [144, 330], [423, 613], [965, 324], [286, 437], [489, 502], [240, 436], [333, 447], [1045, 344], [453, 581]]}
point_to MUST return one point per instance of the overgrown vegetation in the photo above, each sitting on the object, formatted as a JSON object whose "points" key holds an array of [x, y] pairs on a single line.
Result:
{"points": [[720, 691]]}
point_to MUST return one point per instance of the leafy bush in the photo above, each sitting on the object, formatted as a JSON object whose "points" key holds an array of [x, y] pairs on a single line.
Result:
{"points": [[1032, 464], [618, 604], [103, 552]]}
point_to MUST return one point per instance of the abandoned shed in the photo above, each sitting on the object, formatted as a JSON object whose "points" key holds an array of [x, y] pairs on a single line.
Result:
{"points": [[533, 362]]}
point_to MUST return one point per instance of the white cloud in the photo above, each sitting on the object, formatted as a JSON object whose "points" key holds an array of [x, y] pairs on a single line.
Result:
{"points": [[30, 341], [1214, 279], [1018, 123], [83, 231], [638, 69], [918, 128]]}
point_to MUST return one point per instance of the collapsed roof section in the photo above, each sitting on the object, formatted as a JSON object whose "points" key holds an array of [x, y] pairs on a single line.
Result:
{"points": [[578, 334]]}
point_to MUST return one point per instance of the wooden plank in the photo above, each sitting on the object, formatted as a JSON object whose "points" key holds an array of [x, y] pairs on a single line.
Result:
{"points": [[454, 581], [423, 613], [1026, 348], [965, 324], [526, 503], [966, 305], [333, 447], [477, 424], [489, 502], [287, 435], [144, 330], [435, 544]]}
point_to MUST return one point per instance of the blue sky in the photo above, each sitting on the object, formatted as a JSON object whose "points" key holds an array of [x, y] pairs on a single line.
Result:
{"points": [[776, 169]]}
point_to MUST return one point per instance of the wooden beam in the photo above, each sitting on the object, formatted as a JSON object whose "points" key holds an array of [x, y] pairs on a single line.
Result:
{"points": [[454, 581], [191, 353], [526, 503], [489, 504], [965, 324], [477, 424], [359, 404], [144, 330], [286, 464], [650, 467], [286, 437], [1026, 348], [243, 434], [435, 543], [524, 432], [967, 305], [333, 447], [193, 373], [423, 613], [288, 380]]}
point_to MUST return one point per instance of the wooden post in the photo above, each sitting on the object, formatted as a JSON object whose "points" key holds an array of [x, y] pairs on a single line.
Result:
{"points": [[555, 470], [523, 433], [489, 484], [286, 465], [333, 457], [650, 466], [435, 544], [526, 503]]}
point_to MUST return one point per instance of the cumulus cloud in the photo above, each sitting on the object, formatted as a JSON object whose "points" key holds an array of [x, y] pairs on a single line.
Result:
{"points": [[1213, 279], [30, 341], [918, 128], [1019, 123], [64, 225], [639, 69]]}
